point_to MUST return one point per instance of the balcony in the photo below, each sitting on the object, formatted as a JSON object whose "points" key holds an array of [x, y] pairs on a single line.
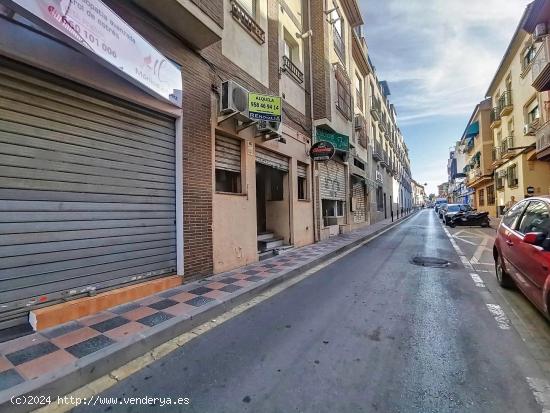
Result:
{"points": [[339, 45], [247, 22], [505, 103], [543, 142], [377, 154], [193, 24], [540, 71], [292, 70], [495, 117], [506, 147], [375, 108], [497, 157], [382, 124]]}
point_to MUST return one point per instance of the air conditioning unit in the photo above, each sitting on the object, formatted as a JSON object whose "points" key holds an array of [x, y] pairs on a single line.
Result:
{"points": [[234, 100], [540, 31], [269, 128], [358, 122]]}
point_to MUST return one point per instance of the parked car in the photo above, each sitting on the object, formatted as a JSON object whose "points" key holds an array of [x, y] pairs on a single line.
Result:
{"points": [[451, 210], [438, 203], [522, 250], [441, 211]]}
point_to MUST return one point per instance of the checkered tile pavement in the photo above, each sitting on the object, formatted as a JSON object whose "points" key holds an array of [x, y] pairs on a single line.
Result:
{"points": [[32, 356]]}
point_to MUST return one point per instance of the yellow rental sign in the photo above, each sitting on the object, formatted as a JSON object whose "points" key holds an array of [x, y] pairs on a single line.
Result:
{"points": [[264, 107]]}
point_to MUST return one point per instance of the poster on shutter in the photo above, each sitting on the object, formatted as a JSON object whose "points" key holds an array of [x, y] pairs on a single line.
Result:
{"points": [[100, 33]]}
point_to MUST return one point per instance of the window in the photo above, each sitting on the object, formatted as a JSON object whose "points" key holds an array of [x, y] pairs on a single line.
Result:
{"points": [[344, 94], [251, 7], [339, 36], [228, 164], [302, 181], [533, 114], [513, 176], [481, 197], [379, 199], [535, 219], [511, 127], [513, 214], [359, 91], [333, 208], [291, 48], [500, 183], [528, 56], [490, 195]]}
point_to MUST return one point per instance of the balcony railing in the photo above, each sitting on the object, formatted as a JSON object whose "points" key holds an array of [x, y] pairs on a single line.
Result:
{"points": [[543, 137], [377, 151], [495, 117], [375, 108], [505, 103], [292, 70], [540, 71], [506, 145], [339, 45], [247, 22]]}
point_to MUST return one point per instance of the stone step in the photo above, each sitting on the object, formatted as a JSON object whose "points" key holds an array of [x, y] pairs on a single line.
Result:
{"points": [[265, 235]]}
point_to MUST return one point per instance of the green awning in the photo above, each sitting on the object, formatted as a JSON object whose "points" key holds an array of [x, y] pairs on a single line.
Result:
{"points": [[472, 130]]}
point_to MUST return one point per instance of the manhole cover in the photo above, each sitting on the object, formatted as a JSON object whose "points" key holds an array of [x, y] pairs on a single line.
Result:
{"points": [[431, 262]]}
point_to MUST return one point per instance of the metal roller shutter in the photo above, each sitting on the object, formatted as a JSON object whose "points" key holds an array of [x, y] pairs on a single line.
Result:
{"points": [[271, 159], [87, 192], [228, 154], [332, 180], [302, 170]]}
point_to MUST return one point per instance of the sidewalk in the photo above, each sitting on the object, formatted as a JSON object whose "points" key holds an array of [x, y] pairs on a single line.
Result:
{"points": [[58, 360]]}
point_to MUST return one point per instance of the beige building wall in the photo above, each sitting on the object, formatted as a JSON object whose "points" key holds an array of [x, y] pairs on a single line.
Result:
{"points": [[234, 215], [239, 47]]}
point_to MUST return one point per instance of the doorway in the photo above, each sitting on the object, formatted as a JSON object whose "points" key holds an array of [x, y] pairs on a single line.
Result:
{"points": [[272, 207], [385, 207]]}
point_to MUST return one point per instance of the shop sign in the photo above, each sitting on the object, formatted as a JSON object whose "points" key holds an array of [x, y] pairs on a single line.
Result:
{"points": [[339, 141], [264, 107], [322, 151], [100, 33]]}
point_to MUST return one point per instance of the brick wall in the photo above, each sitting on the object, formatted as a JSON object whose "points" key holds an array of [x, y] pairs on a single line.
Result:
{"points": [[320, 63]]}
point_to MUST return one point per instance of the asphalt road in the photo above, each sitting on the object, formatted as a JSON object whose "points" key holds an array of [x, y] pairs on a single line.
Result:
{"points": [[371, 332]]}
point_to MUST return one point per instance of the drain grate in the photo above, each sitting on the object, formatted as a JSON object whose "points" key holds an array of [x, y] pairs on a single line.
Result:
{"points": [[431, 262]]}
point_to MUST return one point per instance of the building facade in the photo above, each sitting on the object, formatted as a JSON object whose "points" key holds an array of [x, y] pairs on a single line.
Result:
{"points": [[477, 143], [515, 117], [106, 181]]}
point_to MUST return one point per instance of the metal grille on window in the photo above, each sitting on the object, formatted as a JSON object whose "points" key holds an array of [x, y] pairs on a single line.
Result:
{"points": [[228, 154]]}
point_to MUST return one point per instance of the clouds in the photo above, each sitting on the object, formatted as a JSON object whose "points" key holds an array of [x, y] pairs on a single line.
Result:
{"points": [[438, 55]]}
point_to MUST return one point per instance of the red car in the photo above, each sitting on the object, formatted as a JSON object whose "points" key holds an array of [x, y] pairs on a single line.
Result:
{"points": [[522, 250]]}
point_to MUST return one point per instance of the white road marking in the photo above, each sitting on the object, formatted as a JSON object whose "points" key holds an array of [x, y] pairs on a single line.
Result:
{"points": [[480, 250], [501, 319], [466, 263], [541, 391], [465, 240], [477, 280]]}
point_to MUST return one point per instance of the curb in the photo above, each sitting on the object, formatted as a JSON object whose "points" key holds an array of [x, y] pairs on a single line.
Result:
{"points": [[105, 360]]}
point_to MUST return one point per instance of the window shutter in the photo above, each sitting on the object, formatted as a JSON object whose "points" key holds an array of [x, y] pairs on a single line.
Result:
{"points": [[302, 170], [228, 154]]}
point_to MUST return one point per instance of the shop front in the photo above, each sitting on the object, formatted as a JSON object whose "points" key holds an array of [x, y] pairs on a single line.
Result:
{"points": [[91, 155]]}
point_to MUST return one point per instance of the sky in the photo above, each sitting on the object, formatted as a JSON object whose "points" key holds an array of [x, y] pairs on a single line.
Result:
{"points": [[438, 57]]}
